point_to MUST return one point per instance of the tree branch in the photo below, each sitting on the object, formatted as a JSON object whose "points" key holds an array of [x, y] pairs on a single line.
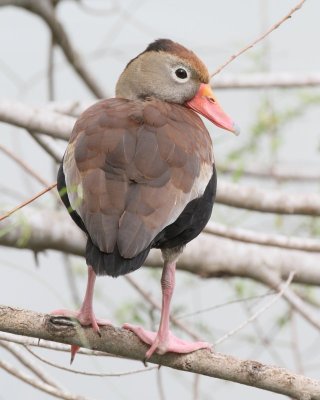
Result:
{"points": [[258, 80], [18, 207], [276, 173], [44, 9], [275, 240], [24, 165], [269, 201], [49, 149], [206, 256], [36, 119], [124, 343], [38, 384], [15, 350]]}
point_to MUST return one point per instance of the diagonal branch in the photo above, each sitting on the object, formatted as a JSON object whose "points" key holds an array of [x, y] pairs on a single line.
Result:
{"points": [[36, 383], [15, 350], [260, 38], [23, 165], [18, 207], [124, 343], [147, 296], [45, 10], [282, 288]]}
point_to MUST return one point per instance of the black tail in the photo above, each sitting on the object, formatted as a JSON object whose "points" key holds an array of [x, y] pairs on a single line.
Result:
{"points": [[112, 263]]}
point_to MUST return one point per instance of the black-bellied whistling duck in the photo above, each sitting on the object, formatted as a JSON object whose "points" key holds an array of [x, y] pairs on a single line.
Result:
{"points": [[139, 174]]}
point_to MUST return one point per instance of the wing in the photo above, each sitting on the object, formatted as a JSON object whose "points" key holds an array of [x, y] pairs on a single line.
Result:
{"points": [[131, 167]]}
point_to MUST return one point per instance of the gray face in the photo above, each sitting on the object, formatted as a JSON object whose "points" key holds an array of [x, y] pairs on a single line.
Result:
{"points": [[159, 75]]}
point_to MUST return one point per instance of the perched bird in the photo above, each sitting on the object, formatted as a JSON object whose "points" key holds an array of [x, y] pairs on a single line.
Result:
{"points": [[138, 173]]}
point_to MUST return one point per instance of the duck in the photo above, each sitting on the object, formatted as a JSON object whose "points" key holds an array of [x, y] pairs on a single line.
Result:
{"points": [[139, 173]]}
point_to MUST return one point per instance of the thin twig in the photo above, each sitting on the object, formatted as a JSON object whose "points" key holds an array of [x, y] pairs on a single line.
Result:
{"points": [[196, 386], [260, 311], [160, 385], [36, 383], [154, 304], [23, 165], [272, 279], [51, 92], [295, 344], [48, 149], [45, 344], [265, 340], [274, 240], [249, 46], [16, 352], [227, 303], [98, 374], [45, 10], [8, 213]]}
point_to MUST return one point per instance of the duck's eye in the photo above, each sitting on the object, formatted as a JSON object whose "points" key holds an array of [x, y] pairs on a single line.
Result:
{"points": [[181, 73]]}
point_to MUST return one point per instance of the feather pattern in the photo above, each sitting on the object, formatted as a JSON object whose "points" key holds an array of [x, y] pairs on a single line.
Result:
{"points": [[131, 168]]}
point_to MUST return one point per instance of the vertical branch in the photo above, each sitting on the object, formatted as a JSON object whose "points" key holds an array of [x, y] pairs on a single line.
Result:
{"points": [[51, 91]]}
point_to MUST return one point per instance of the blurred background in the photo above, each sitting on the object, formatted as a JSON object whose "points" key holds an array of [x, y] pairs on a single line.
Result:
{"points": [[278, 149]]}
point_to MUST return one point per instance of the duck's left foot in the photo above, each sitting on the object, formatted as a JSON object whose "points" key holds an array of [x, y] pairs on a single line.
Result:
{"points": [[85, 318], [165, 343]]}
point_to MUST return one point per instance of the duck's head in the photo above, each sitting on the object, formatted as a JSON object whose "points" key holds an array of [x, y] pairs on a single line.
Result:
{"points": [[169, 72]]}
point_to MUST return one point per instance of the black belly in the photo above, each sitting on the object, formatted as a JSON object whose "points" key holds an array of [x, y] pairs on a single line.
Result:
{"points": [[187, 226], [191, 221]]}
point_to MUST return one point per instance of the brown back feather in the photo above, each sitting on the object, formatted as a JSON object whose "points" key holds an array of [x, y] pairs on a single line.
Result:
{"points": [[132, 166]]}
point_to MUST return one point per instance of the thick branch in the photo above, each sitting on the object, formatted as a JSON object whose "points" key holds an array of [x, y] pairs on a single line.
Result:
{"points": [[270, 201], [36, 119], [124, 343], [207, 256]]}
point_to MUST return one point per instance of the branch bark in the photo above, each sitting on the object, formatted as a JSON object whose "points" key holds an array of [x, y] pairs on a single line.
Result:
{"points": [[269, 201], [36, 119], [207, 256], [125, 344]]}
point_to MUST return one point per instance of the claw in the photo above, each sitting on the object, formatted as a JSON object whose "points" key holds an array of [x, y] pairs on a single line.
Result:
{"points": [[74, 350]]}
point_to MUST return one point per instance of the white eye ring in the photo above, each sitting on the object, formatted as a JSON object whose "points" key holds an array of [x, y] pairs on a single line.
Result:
{"points": [[180, 74]]}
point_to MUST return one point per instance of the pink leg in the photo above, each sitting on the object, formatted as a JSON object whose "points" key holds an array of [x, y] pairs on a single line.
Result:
{"points": [[85, 315], [164, 341]]}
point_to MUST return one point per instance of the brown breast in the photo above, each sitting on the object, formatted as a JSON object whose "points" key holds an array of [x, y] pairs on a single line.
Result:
{"points": [[131, 167]]}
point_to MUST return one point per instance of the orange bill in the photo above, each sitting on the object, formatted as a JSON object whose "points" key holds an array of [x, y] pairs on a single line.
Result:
{"points": [[205, 103]]}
